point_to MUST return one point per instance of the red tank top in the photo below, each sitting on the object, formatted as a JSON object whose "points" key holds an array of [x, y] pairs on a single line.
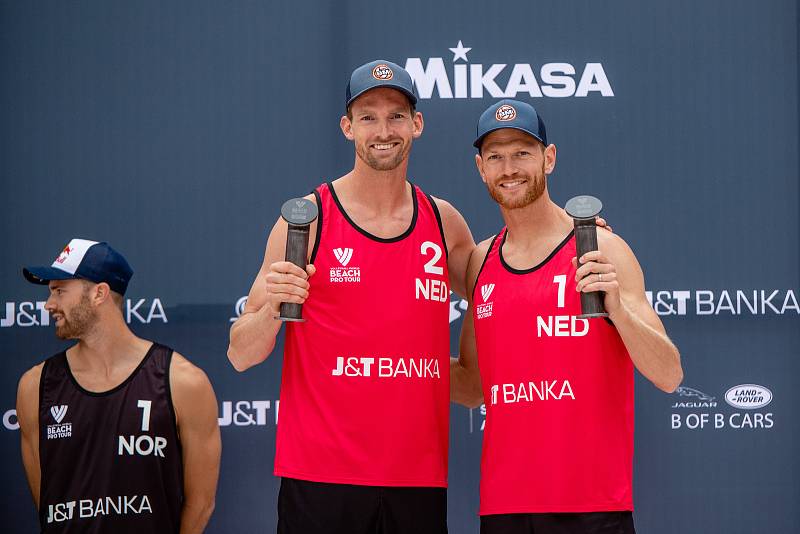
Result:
{"points": [[558, 391], [366, 378]]}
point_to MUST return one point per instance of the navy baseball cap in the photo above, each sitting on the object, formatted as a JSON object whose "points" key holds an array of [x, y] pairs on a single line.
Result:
{"points": [[379, 73], [511, 114], [88, 260]]}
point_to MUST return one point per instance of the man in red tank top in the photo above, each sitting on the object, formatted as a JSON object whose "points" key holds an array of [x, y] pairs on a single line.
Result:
{"points": [[363, 432], [558, 441]]}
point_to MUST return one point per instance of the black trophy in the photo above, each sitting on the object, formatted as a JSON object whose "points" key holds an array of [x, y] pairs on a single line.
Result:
{"points": [[584, 210], [299, 213]]}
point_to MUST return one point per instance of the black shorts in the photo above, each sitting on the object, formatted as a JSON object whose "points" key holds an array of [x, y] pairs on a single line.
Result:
{"points": [[582, 523], [306, 507]]}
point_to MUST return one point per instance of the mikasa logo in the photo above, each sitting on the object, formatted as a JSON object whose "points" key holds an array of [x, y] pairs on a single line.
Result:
{"points": [[343, 255], [470, 80]]}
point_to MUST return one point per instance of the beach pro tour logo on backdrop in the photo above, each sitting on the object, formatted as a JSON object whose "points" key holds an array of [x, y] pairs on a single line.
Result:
{"points": [[464, 79], [382, 72], [505, 113]]}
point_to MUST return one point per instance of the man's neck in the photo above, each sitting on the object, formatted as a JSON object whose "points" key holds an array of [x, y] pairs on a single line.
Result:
{"points": [[540, 222], [382, 191], [109, 345]]}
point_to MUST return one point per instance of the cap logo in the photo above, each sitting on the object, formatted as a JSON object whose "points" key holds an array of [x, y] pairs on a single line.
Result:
{"points": [[382, 72], [64, 254], [505, 113]]}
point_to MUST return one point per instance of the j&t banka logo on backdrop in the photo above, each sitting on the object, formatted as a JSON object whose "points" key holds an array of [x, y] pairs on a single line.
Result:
{"points": [[436, 78], [33, 313]]}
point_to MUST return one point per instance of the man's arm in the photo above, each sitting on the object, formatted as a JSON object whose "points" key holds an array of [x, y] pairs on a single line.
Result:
{"points": [[198, 428], [641, 330], [459, 245], [465, 378], [28, 417], [253, 334]]}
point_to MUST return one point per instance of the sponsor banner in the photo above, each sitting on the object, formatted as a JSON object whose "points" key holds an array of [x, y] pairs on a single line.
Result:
{"points": [[697, 410], [445, 78], [33, 313], [700, 302], [249, 413]]}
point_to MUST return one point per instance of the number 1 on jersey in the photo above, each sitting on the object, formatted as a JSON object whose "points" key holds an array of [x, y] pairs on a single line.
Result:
{"points": [[561, 280], [145, 406]]}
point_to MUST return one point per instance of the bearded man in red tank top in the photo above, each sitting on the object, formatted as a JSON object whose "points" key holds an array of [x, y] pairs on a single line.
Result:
{"points": [[363, 434], [558, 389]]}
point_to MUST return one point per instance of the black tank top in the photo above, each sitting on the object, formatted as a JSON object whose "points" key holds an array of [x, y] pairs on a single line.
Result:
{"points": [[111, 461]]}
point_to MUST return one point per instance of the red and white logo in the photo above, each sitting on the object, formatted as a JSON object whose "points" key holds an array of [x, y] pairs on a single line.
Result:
{"points": [[505, 113], [64, 254], [343, 255], [344, 272], [382, 72], [486, 291], [484, 309]]}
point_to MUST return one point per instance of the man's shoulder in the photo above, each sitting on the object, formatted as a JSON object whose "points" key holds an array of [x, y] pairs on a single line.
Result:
{"points": [[614, 245]]}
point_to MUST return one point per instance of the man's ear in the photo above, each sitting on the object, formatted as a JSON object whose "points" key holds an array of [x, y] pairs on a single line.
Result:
{"points": [[549, 159], [419, 124], [347, 127], [100, 293], [479, 165]]}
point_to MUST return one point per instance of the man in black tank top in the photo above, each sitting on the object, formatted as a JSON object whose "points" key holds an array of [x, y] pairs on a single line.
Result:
{"points": [[118, 434]]}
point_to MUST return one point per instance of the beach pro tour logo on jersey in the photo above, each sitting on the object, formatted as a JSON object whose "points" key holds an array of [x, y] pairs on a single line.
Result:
{"points": [[505, 113], [59, 430], [382, 72], [344, 273], [343, 255], [484, 309]]}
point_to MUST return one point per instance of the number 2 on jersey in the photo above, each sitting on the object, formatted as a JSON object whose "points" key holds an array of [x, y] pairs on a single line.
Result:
{"points": [[430, 266]]}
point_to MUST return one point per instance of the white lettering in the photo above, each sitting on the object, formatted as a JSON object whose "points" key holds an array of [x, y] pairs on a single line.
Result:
{"points": [[434, 75]]}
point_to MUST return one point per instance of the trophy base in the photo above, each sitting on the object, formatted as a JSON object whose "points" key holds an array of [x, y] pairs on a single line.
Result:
{"points": [[592, 315], [290, 319]]}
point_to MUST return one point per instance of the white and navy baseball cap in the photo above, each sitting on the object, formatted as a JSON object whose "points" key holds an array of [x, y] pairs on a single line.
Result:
{"points": [[379, 73], [511, 114], [87, 260]]}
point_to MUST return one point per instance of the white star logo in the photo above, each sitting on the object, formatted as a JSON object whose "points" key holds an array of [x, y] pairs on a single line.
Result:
{"points": [[460, 52]]}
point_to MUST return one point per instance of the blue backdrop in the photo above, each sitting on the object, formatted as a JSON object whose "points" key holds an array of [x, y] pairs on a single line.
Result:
{"points": [[175, 130]]}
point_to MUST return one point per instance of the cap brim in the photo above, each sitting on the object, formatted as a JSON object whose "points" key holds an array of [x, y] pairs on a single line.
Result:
{"points": [[411, 96], [478, 141], [43, 275]]}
